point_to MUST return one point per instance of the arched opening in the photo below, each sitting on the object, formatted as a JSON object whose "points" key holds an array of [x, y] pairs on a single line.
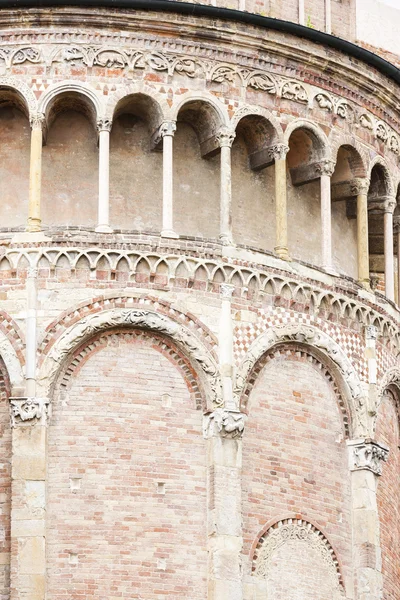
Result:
{"points": [[298, 465], [70, 162], [378, 193], [349, 167], [253, 206], [137, 499], [135, 170], [197, 170], [388, 492], [15, 135], [304, 195]]}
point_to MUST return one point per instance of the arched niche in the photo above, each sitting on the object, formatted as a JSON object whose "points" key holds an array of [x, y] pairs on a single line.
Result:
{"points": [[253, 206], [307, 147], [15, 136], [135, 168], [127, 465], [70, 161], [197, 169], [349, 168], [380, 190], [388, 491]]}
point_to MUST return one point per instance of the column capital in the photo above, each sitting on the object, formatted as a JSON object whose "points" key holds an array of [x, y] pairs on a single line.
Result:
{"points": [[396, 223], [359, 186], [227, 291], [224, 423], [225, 137], [371, 332], [278, 151], [37, 121], [28, 410], [167, 128], [367, 454], [389, 204], [325, 167], [104, 124]]}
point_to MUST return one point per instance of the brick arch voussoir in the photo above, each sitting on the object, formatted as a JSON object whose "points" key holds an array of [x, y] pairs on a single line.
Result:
{"points": [[144, 317], [325, 354]]}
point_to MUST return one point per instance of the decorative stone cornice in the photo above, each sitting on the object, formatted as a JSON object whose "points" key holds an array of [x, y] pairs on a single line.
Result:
{"points": [[366, 454], [28, 410], [225, 137], [104, 124], [224, 423], [278, 151]]}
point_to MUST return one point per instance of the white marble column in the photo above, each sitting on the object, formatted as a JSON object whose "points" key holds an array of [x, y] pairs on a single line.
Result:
{"points": [[389, 206], [167, 131], [365, 462], [301, 13], [31, 336], [326, 169], [360, 189], [278, 154], [38, 124], [104, 129], [225, 140], [225, 342]]}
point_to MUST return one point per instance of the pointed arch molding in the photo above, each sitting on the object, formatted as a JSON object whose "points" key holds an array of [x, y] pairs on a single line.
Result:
{"points": [[86, 328], [289, 530], [330, 353]]}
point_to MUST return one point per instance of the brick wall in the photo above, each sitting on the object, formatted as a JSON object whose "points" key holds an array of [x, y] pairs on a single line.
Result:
{"points": [[128, 436], [389, 498], [5, 489], [294, 463]]}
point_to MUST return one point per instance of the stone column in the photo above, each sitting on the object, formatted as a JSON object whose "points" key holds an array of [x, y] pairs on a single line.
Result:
{"points": [[31, 325], [225, 140], [360, 189], [167, 131], [396, 222], [278, 153], [28, 500], [35, 177], [104, 129], [389, 206], [326, 169], [225, 341], [223, 431], [365, 458]]}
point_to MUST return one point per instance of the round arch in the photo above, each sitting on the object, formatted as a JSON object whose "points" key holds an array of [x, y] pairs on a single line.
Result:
{"points": [[361, 167], [206, 99], [83, 90], [203, 363], [258, 111], [381, 162], [133, 90], [328, 352], [315, 132], [24, 92]]}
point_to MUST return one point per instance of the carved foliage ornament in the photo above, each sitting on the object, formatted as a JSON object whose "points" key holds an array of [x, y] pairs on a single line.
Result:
{"points": [[297, 530], [369, 455], [146, 319], [25, 410]]}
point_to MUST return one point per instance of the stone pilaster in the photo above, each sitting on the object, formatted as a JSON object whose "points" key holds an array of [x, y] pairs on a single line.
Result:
{"points": [[225, 341], [28, 498], [365, 462], [223, 431]]}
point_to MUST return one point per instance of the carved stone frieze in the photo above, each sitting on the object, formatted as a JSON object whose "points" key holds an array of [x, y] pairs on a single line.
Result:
{"points": [[367, 454], [304, 533], [224, 423], [28, 410]]}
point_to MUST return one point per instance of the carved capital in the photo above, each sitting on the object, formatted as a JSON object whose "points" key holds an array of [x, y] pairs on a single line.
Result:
{"points": [[38, 121], [325, 167], [224, 423], [359, 186], [225, 137], [24, 410], [104, 125], [396, 224], [227, 291], [367, 455], [278, 151], [167, 128], [371, 332], [31, 272], [389, 204]]}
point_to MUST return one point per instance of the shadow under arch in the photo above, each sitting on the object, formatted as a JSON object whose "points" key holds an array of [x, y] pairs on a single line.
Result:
{"points": [[20, 94], [80, 334], [324, 349], [73, 96]]}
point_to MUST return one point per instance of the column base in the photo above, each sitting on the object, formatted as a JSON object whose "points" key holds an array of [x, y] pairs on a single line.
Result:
{"points": [[103, 229], [169, 233], [33, 225], [282, 252]]}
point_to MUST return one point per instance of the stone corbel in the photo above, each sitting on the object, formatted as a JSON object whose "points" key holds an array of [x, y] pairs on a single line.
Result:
{"points": [[28, 410], [224, 423], [366, 454]]}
